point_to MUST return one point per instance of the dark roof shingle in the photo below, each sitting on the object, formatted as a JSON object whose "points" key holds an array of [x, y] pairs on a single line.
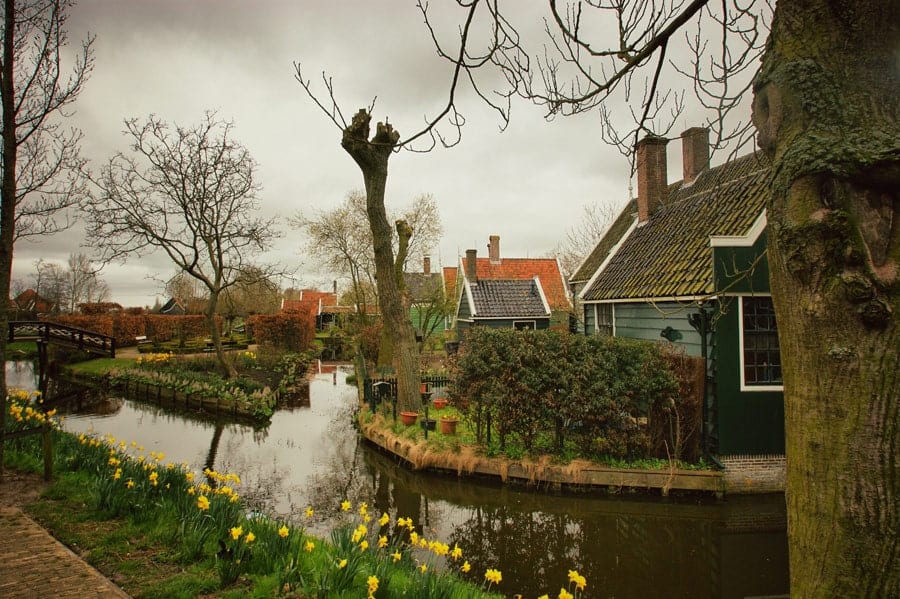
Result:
{"points": [[505, 298]]}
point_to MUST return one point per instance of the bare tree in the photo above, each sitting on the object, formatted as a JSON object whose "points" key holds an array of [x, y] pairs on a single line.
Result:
{"points": [[254, 292], [85, 285], [341, 240], [189, 192], [591, 224], [825, 111], [38, 157], [372, 156]]}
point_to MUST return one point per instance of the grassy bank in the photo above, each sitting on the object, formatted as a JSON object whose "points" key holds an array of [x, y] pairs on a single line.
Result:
{"points": [[160, 530]]}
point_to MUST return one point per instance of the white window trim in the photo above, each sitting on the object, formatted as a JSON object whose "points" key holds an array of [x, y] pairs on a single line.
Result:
{"points": [[744, 386]]}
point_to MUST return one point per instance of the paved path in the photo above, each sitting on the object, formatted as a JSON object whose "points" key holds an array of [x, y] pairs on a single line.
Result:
{"points": [[34, 564]]}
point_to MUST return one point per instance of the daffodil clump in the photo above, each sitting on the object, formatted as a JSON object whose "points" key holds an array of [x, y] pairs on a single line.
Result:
{"points": [[369, 553], [26, 411], [154, 358]]}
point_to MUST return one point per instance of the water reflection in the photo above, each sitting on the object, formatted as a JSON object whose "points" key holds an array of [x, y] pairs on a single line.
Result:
{"points": [[632, 546]]}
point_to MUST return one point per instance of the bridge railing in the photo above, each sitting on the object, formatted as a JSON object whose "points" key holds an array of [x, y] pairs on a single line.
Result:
{"points": [[51, 332]]}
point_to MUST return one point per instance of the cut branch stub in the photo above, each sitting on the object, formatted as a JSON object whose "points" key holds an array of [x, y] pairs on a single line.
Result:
{"points": [[369, 154]]}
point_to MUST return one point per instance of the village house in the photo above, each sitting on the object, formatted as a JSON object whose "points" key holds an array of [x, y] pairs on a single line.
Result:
{"points": [[686, 262]]}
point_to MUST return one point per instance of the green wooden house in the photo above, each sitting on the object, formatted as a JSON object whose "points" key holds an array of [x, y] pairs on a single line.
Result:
{"points": [[502, 303], [686, 262]]}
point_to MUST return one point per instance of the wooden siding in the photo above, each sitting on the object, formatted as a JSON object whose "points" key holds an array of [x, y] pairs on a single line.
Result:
{"points": [[647, 321], [746, 422]]}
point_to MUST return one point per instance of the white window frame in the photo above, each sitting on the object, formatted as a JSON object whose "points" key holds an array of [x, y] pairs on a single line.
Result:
{"points": [[532, 322], [744, 386]]}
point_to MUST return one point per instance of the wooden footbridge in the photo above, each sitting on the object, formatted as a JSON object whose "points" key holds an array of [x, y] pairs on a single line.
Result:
{"points": [[50, 332], [45, 333]]}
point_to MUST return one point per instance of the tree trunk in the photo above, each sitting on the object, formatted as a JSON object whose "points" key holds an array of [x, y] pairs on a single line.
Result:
{"points": [[225, 365], [826, 108], [7, 195], [372, 158]]}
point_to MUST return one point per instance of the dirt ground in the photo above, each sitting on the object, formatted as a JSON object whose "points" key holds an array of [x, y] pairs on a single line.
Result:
{"points": [[20, 488]]}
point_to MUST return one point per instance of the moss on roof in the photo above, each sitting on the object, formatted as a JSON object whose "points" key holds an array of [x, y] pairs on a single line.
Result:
{"points": [[670, 255]]}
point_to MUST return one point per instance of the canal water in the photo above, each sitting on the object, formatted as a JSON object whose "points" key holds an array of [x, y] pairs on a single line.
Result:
{"points": [[627, 546]]}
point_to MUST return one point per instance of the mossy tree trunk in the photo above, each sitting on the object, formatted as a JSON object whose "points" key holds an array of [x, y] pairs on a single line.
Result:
{"points": [[372, 158], [826, 108]]}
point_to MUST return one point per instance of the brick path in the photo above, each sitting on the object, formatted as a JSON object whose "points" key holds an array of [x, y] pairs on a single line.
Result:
{"points": [[34, 564]]}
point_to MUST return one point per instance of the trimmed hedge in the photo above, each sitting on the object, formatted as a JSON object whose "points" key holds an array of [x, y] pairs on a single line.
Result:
{"points": [[125, 327], [288, 330], [604, 396]]}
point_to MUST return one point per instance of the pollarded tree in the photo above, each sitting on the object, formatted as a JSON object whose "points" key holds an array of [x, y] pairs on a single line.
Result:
{"points": [[189, 192], [372, 155], [826, 112]]}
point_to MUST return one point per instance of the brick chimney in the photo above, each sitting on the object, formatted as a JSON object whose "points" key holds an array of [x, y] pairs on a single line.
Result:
{"points": [[426, 265], [651, 175], [494, 249], [471, 270], [694, 152]]}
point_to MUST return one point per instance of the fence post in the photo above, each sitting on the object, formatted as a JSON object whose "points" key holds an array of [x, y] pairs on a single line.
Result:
{"points": [[47, 444]]}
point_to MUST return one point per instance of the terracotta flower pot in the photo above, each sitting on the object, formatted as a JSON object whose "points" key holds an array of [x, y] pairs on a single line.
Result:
{"points": [[439, 403], [408, 418], [448, 426]]}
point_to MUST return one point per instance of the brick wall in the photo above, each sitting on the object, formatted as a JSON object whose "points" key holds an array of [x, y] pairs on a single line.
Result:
{"points": [[749, 474]]}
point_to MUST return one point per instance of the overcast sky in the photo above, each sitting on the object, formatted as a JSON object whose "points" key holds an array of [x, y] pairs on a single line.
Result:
{"points": [[178, 58]]}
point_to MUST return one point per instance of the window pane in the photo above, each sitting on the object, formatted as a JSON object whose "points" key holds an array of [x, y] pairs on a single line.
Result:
{"points": [[762, 356]]}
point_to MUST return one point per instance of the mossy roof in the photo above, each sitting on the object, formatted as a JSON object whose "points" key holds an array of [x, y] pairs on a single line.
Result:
{"points": [[669, 255]]}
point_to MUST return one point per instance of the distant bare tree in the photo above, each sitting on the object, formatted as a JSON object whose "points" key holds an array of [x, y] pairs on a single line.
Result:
{"points": [[85, 283], [190, 192], [591, 224]]}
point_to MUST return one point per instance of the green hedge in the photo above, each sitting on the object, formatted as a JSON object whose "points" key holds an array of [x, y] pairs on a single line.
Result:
{"points": [[553, 391]]}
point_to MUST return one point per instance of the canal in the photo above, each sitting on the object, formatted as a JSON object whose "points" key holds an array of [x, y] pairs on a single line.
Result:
{"points": [[627, 546]]}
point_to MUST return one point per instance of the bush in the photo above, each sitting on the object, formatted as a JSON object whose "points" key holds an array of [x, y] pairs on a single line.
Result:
{"points": [[594, 392]]}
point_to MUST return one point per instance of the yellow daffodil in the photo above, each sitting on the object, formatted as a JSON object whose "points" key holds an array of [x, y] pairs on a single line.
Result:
{"points": [[456, 553], [384, 520], [564, 594], [544, 596], [364, 545], [342, 564], [493, 576], [414, 538], [372, 582], [579, 580], [203, 502], [189, 476], [382, 542], [466, 566], [191, 490], [283, 532], [309, 546], [345, 506], [117, 474], [309, 512], [236, 532], [130, 484], [396, 555], [363, 508], [250, 537], [423, 568]]}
